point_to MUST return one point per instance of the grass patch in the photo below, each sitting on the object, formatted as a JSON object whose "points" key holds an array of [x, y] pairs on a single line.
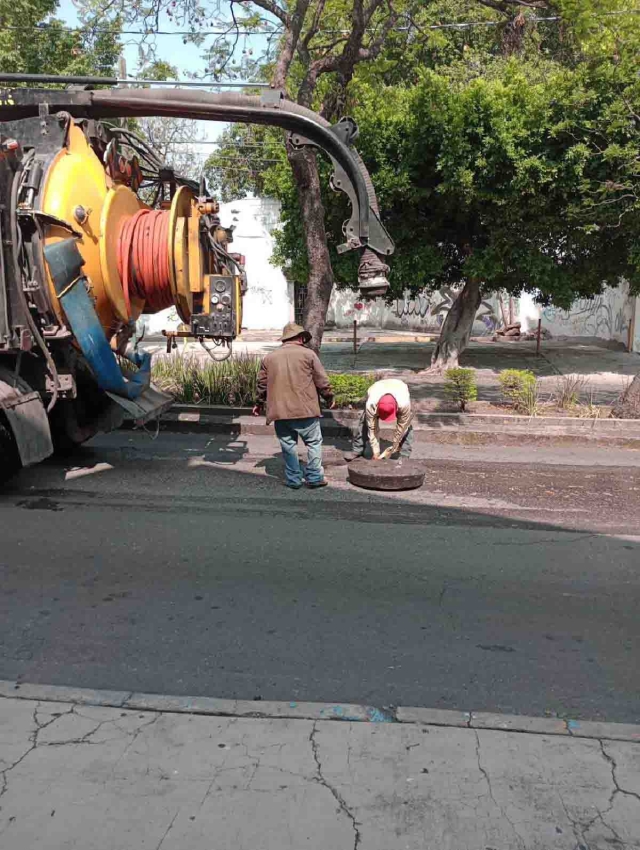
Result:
{"points": [[233, 383], [193, 381]]}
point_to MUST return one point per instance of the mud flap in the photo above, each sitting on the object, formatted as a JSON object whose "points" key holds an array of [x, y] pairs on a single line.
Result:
{"points": [[150, 404], [28, 420]]}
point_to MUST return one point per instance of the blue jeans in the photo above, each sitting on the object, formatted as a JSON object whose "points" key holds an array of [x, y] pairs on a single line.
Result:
{"points": [[308, 430]]}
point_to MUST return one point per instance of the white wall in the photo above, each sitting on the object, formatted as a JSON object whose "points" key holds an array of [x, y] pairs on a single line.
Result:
{"points": [[607, 316], [268, 302], [424, 313]]}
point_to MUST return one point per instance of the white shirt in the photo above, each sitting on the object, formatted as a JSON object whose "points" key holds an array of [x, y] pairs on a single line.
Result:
{"points": [[400, 391]]}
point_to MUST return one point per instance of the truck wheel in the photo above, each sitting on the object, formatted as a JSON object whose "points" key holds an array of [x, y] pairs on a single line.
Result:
{"points": [[9, 456], [402, 474]]}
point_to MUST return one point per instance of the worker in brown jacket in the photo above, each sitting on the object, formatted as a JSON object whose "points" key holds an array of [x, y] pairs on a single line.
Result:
{"points": [[289, 382]]}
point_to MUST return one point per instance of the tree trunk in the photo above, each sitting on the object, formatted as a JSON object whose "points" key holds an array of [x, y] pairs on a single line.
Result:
{"points": [[628, 406], [456, 330], [320, 283]]}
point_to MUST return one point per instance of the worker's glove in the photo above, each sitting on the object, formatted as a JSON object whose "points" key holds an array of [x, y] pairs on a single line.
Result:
{"points": [[385, 454]]}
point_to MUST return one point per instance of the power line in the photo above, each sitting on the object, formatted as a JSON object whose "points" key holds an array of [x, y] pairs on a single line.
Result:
{"points": [[234, 159], [51, 28], [240, 145], [129, 81], [245, 32]]}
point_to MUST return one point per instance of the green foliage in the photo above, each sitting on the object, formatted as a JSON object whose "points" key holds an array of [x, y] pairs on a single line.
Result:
{"points": [[350, 389], [460, 386], [194, 381], [32, 41], [523, 174], [234, 382], [520, 387], [249, 160]]}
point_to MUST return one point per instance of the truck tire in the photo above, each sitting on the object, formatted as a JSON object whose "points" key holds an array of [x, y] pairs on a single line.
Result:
{"points": [[9, 456], [404, 474]]}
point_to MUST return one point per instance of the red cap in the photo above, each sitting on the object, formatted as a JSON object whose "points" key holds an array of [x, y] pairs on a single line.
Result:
{"points": [[387, 408]]}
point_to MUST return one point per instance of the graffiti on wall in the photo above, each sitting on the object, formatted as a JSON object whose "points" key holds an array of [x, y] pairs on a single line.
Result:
{"points": [[436, 307], [605, 316], [423, 312]]}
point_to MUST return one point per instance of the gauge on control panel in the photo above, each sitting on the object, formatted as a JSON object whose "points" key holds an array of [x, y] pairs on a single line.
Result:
{"points": [[220, 285]]}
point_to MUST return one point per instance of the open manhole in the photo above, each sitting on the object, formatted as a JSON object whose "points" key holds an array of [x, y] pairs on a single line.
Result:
{"points": [[403, 474]]}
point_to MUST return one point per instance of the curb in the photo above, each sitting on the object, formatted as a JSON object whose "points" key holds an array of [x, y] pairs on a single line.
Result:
{"points": [[271, 710], [449, 428]]}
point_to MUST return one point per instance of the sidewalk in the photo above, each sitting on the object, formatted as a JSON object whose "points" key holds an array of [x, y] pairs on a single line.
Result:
{"points": [[607, 371], [79, 769]]}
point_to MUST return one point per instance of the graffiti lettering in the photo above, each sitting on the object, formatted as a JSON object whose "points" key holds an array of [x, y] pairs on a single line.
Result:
{"points": [[436, 307], [604, 316]]}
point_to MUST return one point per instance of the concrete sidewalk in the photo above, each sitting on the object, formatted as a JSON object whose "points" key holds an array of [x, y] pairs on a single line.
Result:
{"points": [[607, 370], [79, 769]]}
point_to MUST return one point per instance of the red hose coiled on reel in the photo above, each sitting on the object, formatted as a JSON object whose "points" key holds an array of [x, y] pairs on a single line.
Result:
{"points": [[143, 260]]}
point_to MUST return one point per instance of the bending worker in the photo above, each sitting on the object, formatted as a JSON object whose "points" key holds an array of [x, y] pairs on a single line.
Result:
{"points": [[387, 401]]}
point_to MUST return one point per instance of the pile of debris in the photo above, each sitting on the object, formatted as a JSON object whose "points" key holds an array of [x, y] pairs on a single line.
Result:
{"points": [[512, 332], [508, 331], [533, 334]]}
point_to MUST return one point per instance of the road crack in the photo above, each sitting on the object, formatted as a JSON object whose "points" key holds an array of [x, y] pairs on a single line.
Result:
{"points": [[337, 796]]}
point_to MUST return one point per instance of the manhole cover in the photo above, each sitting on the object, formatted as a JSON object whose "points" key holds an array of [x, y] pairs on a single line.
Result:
{"points": [[386, 474]]}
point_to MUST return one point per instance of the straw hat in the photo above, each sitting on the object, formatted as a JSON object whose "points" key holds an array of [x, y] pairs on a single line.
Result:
{"points": [[292, 330]]}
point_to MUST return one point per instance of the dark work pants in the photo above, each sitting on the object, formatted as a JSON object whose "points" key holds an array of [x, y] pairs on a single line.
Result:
{"points": [[360, 442]]}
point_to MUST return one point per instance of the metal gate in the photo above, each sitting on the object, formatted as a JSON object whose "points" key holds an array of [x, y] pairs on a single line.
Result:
{"points": [[299, 300]]}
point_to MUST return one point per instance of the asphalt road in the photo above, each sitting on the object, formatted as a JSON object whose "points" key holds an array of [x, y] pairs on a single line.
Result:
{"points": [[184, 567]]}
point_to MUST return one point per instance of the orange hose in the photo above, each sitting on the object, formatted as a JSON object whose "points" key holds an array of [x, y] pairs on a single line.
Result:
{"points": [[143, 260]]}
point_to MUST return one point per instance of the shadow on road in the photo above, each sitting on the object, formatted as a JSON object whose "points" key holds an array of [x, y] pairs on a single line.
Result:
{"points": [[162, 570]]}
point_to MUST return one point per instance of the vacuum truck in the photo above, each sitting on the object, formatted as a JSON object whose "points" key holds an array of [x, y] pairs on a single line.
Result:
{"points": [[96, 231]]}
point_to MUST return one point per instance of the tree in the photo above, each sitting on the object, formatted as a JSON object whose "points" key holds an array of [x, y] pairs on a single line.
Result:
{"points": [[173, 139], [467, 208], [32, 40], [461, 193], [320, 43], [524, 178], [246, 163]]}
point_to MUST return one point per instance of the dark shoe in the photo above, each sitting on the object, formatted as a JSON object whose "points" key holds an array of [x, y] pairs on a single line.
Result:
{"points": [[294, 486], [349, 456], [313, 485]]}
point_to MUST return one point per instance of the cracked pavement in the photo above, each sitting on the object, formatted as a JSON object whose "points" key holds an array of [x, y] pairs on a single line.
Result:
{"points": [[79, 776]]}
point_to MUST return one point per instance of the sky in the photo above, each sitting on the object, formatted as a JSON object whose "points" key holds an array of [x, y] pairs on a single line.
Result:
{"points": [[187, 58]]}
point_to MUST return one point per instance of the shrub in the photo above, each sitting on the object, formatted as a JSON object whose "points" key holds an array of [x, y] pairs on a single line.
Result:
{"points": [[520, 386], [460, 386], [234, 382], [568, 390], [194, 381], [350, 389]]}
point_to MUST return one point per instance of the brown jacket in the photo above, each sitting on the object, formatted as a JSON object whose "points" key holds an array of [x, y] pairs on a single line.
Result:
{"points": [[289, 380]]}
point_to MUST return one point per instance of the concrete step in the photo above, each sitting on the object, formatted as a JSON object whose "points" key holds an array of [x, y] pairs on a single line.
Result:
{"points": [[449, 428]]}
